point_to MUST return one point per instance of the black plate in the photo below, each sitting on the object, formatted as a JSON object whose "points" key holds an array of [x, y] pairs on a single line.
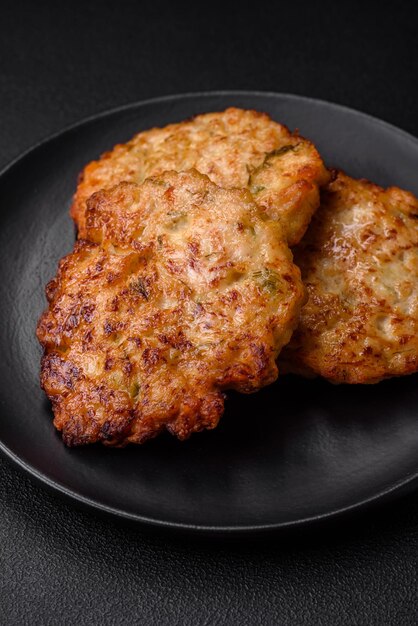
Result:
{"points": [[295, 452]]}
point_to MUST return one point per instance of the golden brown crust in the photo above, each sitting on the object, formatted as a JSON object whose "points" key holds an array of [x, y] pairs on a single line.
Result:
{"points": [[359, 262], [183, 291], [235, 148]]}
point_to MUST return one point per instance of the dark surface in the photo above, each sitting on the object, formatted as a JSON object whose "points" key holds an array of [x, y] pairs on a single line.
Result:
{"points": [[59, 63], [296, 451]]}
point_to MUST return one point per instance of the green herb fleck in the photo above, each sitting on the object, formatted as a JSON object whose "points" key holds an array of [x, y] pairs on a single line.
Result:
{"points": [[140, 287], [283, 150], [267, 279], [134, 390], [256, 189]]}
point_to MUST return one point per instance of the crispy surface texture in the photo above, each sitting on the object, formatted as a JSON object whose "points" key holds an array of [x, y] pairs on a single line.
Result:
{"points": [[359, 262], [235, 148], [183, 290]]}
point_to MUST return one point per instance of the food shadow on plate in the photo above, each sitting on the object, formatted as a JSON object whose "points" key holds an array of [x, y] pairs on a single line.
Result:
{"points": [[294, 439]]}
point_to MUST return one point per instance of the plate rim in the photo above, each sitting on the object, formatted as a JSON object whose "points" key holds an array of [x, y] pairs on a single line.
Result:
{"points": [[393, 489]]}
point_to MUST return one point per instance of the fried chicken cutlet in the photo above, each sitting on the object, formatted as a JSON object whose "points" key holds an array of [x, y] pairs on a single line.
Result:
{"points": [[183, 290], [235, 148], [359, 262]]}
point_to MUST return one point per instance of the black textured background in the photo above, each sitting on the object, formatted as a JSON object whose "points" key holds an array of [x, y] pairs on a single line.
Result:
{"points": [[61, 62]]}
